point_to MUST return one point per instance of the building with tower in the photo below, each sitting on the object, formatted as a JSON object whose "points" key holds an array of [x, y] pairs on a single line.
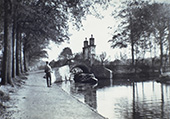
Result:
{"points": [[89, 55], [89, 50]]}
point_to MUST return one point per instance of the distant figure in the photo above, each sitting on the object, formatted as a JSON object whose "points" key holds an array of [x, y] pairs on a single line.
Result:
{"points": [[48, 72]]}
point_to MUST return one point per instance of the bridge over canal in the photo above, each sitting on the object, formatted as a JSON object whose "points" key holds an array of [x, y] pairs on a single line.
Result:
{"points": [[99, 71]]}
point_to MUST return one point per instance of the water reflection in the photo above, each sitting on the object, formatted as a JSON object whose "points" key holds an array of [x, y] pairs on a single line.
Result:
{"points": [[84, 92], [148, 104], [88, 91], [124, 99]]}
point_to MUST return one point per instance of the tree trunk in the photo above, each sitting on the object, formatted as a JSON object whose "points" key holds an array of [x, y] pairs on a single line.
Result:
{"points": [[14, 43], [5, 53], [7, 72], [132, 41], [21, 56], [132, 50], [17, 51], [161, 51], [25, 60], [13, 53]]}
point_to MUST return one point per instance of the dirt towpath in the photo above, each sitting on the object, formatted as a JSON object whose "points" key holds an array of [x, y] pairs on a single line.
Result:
{"points": [[36, 101]]}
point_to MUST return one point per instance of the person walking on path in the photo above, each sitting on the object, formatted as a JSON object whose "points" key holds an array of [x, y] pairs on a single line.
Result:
{"points": [[48, 71]]}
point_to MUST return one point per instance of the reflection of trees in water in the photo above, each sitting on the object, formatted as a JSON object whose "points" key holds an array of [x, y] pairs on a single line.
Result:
{"points": [[88, 91], [123, 108], [143, 109], [90, 97], [144, 103]]}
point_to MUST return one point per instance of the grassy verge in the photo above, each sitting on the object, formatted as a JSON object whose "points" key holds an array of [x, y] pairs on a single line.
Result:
{"points": [[5, 91]]}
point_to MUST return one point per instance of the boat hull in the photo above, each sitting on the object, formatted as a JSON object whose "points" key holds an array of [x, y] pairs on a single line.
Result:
{"points": [[85, 78]]}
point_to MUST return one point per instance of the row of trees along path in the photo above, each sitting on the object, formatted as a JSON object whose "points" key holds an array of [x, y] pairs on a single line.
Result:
{"points": [[28, 26]]}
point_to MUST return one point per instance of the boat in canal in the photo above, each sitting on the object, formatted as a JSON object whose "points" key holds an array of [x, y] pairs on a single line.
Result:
{"points": [[82, 75], [85, 78]]}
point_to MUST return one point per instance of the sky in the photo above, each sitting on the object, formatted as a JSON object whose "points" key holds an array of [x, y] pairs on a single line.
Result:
{"points": [[100, 31]]}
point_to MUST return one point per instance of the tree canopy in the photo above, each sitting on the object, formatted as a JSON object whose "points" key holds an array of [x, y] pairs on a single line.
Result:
{"points": [[144, 24], [28, 26], [66, 53]]}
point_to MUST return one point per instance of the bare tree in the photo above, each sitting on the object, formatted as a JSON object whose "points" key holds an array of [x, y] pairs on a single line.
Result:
{"points": [[102, 57]]}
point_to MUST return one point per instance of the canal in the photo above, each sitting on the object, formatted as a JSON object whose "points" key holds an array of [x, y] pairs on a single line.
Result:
{"points": [[124, 99]]}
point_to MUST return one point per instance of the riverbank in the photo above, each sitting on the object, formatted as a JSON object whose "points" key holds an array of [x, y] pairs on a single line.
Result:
{"points": [[34, 100], [6, 90]]}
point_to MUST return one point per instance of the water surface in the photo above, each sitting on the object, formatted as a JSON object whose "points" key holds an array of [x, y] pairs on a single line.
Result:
{"points": [[123, 99]]}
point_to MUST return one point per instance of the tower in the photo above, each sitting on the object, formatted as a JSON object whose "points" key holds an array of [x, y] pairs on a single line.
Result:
{"points": [[89, 50], [85, 49], [92, 46], [92, 50]]}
